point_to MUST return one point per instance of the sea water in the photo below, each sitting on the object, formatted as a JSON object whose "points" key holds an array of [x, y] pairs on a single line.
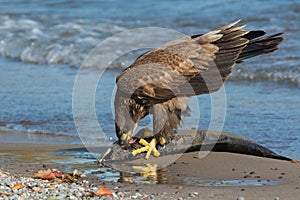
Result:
{"points": [[42, 46]]}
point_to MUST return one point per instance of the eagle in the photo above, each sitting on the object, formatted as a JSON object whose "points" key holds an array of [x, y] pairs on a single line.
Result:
{"points": [[161, 81]]}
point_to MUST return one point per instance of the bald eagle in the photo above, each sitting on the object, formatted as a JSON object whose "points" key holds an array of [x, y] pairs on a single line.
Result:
{"points": [[161, 80]]}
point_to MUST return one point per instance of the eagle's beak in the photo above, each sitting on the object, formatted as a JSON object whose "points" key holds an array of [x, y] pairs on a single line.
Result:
{"points": [[126, 137]]}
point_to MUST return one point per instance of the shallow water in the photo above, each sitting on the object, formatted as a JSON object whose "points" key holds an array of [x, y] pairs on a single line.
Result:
{"points": [[42, 45], [263, 111], [162, 177], [86, 163]]}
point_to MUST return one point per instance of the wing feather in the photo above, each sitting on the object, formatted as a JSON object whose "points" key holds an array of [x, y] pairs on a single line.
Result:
{"points": [[201, 62]]}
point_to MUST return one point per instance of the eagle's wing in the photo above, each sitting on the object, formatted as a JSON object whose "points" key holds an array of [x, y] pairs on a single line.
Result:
{"points": [[193, 65], [159, 72]]}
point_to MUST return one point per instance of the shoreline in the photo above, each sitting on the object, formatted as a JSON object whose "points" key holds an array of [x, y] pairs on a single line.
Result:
{"points": [[217, 166]]}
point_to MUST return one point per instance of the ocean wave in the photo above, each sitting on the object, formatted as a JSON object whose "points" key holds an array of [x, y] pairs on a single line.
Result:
{"points": [[290, 75], [64, 42], [68, 43]]}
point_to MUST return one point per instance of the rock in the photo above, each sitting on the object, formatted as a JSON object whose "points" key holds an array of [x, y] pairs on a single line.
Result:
{"points": [[191, 195]]}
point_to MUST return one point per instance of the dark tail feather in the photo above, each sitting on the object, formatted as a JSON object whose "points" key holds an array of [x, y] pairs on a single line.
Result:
{"points": [[259, 46], [254, 34]]}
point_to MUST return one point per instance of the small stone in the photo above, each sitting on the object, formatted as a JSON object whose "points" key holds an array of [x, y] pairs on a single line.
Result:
{"points": [[139, 195], [115, 196], [276, 198], [233, 169], [243, 189], [196, 193], [253, 172], [240, 198], [36, 189], [179, 187], [247, 176], [191, 195], [120, 194]]}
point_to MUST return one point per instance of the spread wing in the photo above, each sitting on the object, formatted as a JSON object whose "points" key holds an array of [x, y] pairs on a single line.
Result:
{"points": [[193, 65], [159, 73]]}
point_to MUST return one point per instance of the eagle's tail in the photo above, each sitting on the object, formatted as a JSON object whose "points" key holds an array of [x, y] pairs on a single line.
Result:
{"points": [[258, 46]]}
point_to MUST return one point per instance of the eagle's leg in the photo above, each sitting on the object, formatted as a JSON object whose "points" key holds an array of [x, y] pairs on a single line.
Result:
{"points": [[148, 147]]}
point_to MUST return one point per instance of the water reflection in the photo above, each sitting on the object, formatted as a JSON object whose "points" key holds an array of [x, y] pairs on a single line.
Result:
{"points": [[152, 174], [148, 173]]}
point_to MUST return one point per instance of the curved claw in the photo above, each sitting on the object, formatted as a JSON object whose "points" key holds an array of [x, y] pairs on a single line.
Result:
{"points": [[149, 147]]}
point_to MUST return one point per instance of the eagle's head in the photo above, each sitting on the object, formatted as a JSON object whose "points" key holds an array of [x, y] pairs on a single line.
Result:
{"points": [[127, 116]]}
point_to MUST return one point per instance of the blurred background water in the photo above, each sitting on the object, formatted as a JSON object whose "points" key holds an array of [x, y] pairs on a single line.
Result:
{"points": [[43, 44]]}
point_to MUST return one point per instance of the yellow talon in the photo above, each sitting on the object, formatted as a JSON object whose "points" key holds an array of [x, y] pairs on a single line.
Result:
{"points": [[143, 142], [140, 150], [162, 141], [149, 147]]}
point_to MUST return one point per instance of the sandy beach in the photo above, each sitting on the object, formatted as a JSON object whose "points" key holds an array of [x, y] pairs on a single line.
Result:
{"points": [[219, 175], [59, 61]]}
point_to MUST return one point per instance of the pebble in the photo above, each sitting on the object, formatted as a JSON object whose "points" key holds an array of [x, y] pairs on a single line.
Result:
{"points": [[247, 176], [276, 198], [191, 194], [43, 189], [240, 198]]}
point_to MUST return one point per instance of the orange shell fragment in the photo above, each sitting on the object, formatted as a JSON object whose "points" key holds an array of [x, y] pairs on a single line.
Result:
{"points": [[294, 161], [18, 186], [103, 192]]}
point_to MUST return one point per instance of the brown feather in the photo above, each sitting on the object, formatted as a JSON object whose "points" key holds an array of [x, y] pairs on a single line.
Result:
{"points": [[161, 80]]}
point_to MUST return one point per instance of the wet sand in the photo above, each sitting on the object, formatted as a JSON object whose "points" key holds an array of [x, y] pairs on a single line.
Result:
{"points": [[282, 178]]}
